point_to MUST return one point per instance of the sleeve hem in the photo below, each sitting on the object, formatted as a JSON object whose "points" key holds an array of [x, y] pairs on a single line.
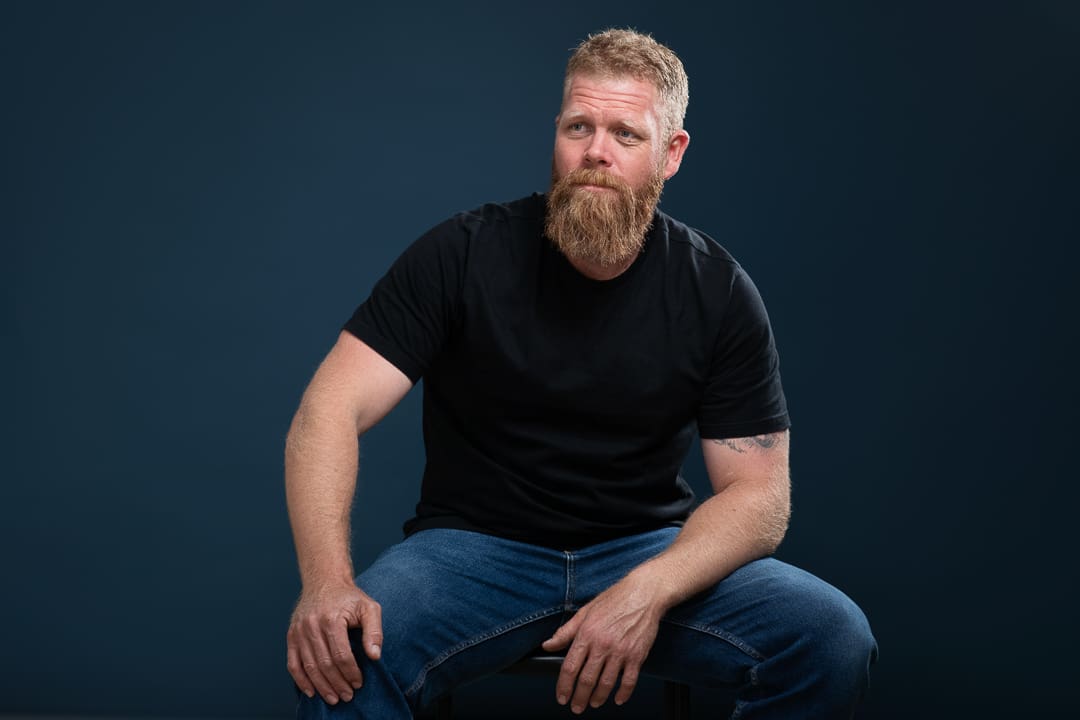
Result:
{"points": [[720, 431], [390, 352]]}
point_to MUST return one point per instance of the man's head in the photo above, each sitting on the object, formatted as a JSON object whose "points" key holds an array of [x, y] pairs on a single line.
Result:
{"points": [[630, 54], [618, 137]]}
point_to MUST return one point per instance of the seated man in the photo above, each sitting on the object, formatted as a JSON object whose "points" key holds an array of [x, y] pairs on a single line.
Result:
{"points": [[569, 344]]}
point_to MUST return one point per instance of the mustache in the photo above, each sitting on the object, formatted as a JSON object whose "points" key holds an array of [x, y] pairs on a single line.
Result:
{"points": [[589, 176]]}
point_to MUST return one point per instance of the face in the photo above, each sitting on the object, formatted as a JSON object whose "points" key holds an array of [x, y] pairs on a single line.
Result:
{"points": [[614, 125], [609, 167]]}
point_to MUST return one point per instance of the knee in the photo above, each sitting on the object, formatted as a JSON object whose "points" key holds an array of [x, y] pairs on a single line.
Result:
{"points": [[837, 638], [847, 633]]}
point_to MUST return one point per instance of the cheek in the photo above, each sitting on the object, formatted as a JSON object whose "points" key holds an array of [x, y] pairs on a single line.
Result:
{"points": [[643, 172], [564, 158]]}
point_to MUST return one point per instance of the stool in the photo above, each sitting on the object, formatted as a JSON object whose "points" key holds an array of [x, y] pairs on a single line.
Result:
{"points": [[676, 694]]}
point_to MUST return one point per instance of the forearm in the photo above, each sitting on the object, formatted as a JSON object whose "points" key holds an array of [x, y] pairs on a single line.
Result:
{"points": [[744, 522], [320, 479], [615, 631]]}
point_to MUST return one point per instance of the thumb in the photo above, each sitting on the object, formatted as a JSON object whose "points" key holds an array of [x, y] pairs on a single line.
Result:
{"points": [[564, 635], [371, 629]]}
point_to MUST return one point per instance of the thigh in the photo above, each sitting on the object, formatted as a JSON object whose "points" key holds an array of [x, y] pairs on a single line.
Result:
{"points": [[458, 605], [764, 611]]}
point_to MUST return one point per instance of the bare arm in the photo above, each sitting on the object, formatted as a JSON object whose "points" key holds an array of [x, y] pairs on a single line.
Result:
{"points": [[352, 390], [745, 519]]}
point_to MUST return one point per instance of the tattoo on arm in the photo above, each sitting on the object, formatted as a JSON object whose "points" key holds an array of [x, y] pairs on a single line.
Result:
{"points": [[741, 445]]}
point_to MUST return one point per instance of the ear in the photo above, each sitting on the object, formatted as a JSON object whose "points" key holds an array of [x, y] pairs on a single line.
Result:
{"points": [[674, 152]]}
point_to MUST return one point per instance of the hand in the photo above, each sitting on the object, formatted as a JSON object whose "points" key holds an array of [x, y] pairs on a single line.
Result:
{"points": [[611, 635], [319, 655]]}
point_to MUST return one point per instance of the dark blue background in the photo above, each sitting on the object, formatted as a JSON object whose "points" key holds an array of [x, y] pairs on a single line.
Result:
{"points": [[196, 195]]}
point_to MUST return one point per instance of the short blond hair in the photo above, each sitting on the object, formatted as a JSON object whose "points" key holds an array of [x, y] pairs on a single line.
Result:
{"points": [[628, 53]]}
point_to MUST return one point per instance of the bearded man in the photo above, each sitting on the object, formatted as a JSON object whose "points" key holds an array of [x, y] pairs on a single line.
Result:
{"points": [[570, 345]]}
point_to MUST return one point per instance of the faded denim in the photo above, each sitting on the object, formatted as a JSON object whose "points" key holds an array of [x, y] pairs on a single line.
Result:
{"points": [[458, 605]]}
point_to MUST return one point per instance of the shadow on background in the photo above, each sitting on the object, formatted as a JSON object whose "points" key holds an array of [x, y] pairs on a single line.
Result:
{"points": [[197, 195]]}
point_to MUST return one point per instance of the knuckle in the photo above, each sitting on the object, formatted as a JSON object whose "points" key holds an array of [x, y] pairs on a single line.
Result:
{"points": [[326, 662]]}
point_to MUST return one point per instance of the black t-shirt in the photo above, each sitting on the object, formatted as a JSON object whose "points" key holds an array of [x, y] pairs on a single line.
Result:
{"points": [[558, 409]]}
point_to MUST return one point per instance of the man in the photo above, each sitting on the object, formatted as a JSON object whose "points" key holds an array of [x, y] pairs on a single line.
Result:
{"points": [[569, 345]]}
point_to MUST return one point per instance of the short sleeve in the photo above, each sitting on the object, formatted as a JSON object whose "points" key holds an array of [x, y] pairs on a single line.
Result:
{"points": [[743, 394], [415, 306]]}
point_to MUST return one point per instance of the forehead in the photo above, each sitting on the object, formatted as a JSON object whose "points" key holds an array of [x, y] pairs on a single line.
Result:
{"points": [[623, 95]]}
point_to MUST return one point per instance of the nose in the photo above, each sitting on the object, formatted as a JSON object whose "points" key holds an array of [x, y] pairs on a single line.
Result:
{"points": [[596, 152]]}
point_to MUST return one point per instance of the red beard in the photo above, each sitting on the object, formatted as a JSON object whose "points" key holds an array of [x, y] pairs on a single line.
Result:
{"points": [[597, 226]]}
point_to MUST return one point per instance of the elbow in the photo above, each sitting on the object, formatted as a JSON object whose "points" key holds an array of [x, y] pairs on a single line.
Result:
{"points": [[777, 518], [298, 430], [775, 532]]}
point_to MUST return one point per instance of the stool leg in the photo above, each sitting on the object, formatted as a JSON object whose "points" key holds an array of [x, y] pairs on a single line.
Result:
{"points": [[676, 701], [444, 709]]}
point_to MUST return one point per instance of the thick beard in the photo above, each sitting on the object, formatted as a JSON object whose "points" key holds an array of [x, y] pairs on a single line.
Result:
{"points": [[601, 228]]}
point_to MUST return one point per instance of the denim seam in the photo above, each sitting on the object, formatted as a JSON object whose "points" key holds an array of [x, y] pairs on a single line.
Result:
{"points": [[418, 684], [738, 644], [568, 599], [737, 710], [725, 636]]}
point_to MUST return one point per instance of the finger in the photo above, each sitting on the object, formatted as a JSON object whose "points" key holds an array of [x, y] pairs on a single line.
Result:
{"points": [[630, 675], [342, 655], [371, 629], [586, 684], [340, 687], [564, 635], [296, 668], [568, 673], [314, 672], [605, 684]]}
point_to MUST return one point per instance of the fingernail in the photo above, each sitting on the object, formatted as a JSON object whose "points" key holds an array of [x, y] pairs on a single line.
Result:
{"points": [[346, 697], [310, 693], [357, 684], [578, 709], [562, 699], [331, 699]]}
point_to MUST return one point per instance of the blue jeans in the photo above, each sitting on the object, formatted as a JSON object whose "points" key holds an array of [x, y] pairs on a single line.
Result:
{"points": [[458, 605]]}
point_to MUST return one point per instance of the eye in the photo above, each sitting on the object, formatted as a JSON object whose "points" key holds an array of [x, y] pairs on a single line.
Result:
{"points": [[576, 127], [626, 135]]}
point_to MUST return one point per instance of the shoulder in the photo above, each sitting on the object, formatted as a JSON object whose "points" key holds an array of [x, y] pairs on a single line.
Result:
{"points": [[496, 236], [460, 235], [695, 254], [521, 215]]}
